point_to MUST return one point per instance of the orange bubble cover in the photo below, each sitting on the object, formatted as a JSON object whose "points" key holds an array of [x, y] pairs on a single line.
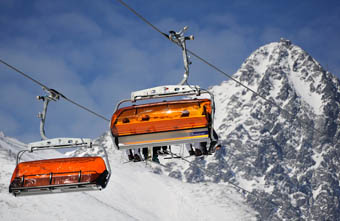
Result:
{"points": [[161, 116]]}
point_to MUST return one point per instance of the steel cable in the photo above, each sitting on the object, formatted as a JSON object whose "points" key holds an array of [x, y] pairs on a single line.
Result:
{"points": [[52, 90]]}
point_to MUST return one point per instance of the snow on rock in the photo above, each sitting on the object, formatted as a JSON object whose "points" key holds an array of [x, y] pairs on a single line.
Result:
{"points": [[271, 152]]}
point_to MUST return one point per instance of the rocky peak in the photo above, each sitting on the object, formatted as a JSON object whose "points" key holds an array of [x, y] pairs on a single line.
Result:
{"points": [[282, 70], [271, 152]]}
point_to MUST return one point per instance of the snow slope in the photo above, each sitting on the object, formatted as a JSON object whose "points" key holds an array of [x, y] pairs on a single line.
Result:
{"points": [[136, 191]]}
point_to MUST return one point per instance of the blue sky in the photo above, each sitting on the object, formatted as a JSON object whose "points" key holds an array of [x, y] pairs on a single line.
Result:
{"points": [[97, 52]]}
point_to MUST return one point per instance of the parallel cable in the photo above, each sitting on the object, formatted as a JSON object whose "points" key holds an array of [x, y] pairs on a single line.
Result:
{"points": [[220, 71], [87, 109], [254, 92], [52, 90], [142, 18], [23, 74]]}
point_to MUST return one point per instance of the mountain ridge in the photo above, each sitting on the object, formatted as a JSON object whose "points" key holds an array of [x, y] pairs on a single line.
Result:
{"points": [[277, 148]]}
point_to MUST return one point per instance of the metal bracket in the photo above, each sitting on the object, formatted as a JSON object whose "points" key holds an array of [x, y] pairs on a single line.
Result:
{"points": [[179, 39], [53, 95]]}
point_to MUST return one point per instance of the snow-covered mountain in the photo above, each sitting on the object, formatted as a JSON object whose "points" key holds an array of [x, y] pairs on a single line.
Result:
{"points": [[276, 155], [286, 159], [135, 192]]}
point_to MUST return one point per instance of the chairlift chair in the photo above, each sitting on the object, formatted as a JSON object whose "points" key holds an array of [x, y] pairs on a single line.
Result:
{"points": [[167, 122], [61, 174], [162, 123]]}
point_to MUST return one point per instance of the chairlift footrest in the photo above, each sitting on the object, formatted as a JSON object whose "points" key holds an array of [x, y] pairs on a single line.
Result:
{"points": [[167, 158], [50, 189]]}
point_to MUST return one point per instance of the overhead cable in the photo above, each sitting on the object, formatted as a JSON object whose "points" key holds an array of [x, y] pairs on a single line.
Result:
{"points": [[52, 90]]}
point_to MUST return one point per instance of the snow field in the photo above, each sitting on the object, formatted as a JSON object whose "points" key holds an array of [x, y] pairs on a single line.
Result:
{"points": [[134, 192]]}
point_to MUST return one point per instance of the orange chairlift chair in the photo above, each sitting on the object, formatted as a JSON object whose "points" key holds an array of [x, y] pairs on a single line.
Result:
{"points": [[167, 122], [61, 174]]}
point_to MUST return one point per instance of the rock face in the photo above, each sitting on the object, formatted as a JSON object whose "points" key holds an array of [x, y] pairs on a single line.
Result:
{"points": [[289, 158]]}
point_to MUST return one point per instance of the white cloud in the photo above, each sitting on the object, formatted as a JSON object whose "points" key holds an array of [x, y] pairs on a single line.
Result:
{"points": [[73, 24]]}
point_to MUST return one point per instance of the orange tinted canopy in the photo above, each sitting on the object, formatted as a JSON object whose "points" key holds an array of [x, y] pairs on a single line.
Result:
{"points": [[161, 116], [58, 171]]}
